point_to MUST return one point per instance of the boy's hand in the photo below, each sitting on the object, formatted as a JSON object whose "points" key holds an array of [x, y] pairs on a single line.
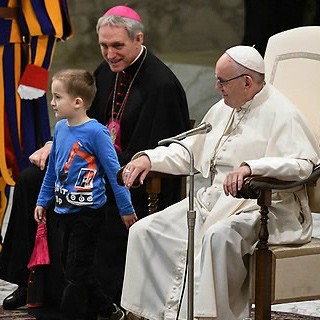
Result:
{"points": [[40, 214], [129, 220]]}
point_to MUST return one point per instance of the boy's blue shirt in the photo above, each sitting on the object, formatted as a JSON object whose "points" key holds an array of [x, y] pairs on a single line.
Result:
{"points": [[80, 157]]}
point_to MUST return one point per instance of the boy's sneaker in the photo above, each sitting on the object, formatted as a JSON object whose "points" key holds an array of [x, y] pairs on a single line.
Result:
{"points": [[117, 314]]}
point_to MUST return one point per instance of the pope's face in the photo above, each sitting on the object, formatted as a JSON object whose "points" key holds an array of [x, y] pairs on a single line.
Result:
{"points": [[117, 48], [233, 92]]}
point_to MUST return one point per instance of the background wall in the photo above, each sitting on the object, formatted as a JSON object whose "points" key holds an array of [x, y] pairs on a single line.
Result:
{"points": [[189, 35], [171, 27]]}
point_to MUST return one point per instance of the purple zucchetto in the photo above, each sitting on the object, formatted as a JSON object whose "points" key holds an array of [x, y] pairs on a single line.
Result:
{"points": [[123, 11]]}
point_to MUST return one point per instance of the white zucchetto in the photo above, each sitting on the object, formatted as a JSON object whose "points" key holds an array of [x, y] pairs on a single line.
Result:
{"points": [[248, 57]]}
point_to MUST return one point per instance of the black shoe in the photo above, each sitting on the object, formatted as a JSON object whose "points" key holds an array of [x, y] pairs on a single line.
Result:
{"points": [[117, 314], [16, 299]]}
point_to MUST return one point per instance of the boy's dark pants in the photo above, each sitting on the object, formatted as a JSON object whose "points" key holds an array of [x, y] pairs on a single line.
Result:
{"points": [[82, 296]]}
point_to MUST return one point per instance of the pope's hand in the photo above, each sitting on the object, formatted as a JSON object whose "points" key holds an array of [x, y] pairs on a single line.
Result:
{"points": [[234, 180], [138, 167]]}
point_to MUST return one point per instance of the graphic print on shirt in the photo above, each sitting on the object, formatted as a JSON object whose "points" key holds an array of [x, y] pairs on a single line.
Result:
{"points": [[83, 182]]}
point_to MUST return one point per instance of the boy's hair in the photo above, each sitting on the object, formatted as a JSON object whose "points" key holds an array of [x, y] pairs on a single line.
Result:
{"points": [[78, 83]]}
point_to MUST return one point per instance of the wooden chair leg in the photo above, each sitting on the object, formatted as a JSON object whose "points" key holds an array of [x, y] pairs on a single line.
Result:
{"points": [[263, 263], [263, 285], [153, 188]]}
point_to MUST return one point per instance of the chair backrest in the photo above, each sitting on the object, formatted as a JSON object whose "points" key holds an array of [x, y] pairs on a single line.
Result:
{"points": [[292, 62]]}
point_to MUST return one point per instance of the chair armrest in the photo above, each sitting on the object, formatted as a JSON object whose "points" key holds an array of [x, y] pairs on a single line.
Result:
{"points": [[253, 185]]}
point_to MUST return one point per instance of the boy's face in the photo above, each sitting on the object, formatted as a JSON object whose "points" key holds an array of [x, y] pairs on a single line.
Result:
{"points": [[62, 103]]}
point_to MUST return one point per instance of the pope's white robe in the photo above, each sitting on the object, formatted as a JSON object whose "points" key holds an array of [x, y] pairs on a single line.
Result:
{"points": [[270, 135]]}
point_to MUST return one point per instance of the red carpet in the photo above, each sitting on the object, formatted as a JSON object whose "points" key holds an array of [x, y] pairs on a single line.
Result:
{"points": [[275, 315], [15, 314]]}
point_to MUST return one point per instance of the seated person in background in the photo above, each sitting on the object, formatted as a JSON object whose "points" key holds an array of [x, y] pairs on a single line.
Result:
{"points": [[255, 130], [82, 153], [136, 93]]}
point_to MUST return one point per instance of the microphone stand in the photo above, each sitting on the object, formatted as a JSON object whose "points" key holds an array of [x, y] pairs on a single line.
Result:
{"points": [[191, 218]]}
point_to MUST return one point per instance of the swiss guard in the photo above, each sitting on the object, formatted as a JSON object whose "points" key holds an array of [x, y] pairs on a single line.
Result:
{"points": [[29, 31]]}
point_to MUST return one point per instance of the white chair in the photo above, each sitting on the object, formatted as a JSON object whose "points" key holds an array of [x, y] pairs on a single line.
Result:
{"points": [[282, 274]]}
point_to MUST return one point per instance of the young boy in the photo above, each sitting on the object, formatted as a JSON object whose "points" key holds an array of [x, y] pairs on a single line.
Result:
{"points": [[82, 153]]}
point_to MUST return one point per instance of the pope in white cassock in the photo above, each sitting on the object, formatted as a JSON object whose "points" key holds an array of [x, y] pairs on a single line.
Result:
{"points": [[256, 130]]}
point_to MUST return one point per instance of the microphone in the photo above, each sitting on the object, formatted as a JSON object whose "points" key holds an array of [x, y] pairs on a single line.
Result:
{"points": [[203, 127]]}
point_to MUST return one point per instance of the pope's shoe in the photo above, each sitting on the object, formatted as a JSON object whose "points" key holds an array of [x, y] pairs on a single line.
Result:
{"points": [[16, 299]]}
